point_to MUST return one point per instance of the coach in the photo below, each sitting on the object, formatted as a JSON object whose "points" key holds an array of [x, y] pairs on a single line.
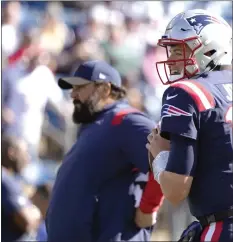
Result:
{"points": [[96, 196]]}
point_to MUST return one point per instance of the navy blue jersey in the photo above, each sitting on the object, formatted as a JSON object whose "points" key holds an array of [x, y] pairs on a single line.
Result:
{"points": [[12, 201], [201, 110], [90, 199]]}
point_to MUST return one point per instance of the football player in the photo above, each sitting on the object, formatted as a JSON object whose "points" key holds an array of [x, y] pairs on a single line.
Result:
{"points": [[196, 120]]}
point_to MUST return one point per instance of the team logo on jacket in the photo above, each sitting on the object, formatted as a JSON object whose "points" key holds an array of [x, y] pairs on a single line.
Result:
{"points": [[170, 110]]}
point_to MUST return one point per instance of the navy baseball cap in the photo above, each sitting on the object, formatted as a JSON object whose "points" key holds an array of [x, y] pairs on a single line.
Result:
{"points": [[91, 71]]}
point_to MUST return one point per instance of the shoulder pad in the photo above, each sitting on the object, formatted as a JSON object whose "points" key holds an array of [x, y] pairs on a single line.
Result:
{"points": [[201, 96], [118, 117]]}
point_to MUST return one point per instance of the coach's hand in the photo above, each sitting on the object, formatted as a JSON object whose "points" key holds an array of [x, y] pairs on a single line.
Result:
{"points": [[144, 220]]}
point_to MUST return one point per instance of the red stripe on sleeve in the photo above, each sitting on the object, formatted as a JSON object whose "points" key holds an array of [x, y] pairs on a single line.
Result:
{"points": [[208, 95], [196, 97]]}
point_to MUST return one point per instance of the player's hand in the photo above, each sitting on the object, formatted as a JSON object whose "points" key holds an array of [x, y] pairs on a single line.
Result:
{"points": [[156, 143], [144, 220]]}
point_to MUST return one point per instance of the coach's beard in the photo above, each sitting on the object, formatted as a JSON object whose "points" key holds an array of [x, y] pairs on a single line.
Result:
{"points": [[85, 112]]}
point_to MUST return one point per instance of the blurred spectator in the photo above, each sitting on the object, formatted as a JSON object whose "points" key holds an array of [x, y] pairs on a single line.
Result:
{"points": [[30, 86], [27, 47], [83, 50], [41, 199], [155, 10], [54, 33], [98, 17], [135, 99], [119, 53], [15, 155], [20, 219], [11, 35], [79, 5]]}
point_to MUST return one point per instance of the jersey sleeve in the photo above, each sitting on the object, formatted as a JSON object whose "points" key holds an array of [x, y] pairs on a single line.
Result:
{"points": [[134, 131], [183, 156], [179, 114]]}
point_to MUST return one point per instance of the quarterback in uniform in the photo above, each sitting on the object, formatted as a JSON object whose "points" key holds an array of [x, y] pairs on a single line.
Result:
{"points": [[196, 121]]}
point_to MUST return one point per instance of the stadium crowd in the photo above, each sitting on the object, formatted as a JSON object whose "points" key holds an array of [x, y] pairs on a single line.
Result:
{"points": [[42, 41]]}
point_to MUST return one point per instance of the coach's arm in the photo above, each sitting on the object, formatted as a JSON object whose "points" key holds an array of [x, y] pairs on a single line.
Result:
{"points": [[136, 127]]}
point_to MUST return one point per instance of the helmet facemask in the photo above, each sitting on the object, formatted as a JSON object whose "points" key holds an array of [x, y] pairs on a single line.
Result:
{"points": [[185, 66]]}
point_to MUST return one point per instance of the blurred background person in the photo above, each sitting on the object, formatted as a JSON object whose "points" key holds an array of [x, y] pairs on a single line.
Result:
{"points": [[54, 34], [30, 85], [11, 35], [20, 218], [40, 198]]}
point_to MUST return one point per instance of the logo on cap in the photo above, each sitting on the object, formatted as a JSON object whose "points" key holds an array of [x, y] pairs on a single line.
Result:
{"points": [[102, 76]]}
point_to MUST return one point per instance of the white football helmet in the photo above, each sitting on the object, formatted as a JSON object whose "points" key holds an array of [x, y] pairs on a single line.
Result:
{"points": [[209, 37]]}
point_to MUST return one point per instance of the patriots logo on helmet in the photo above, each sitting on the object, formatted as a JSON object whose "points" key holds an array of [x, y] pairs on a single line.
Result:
{"points": [[198, 22], [170, 110]]}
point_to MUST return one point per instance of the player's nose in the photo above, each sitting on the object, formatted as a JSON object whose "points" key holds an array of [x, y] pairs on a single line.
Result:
{"points": [[171, 58]]}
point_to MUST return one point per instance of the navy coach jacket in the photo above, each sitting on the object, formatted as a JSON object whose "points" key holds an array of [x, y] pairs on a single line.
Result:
{"points": [[90, 199]]}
